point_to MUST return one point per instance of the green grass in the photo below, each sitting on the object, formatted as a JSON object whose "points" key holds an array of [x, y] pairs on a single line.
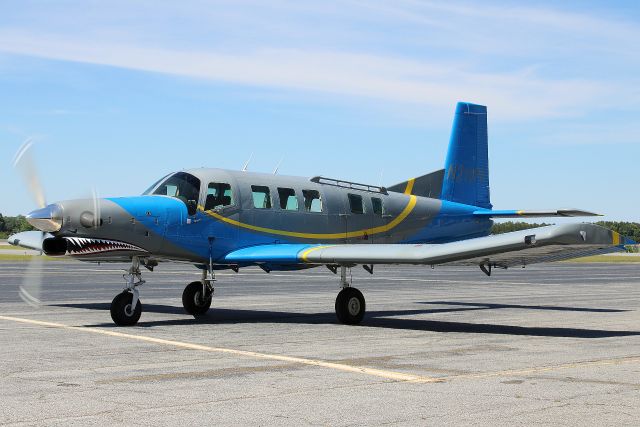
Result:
{"points": [[17, 257], [607, 258], [12, 248]]}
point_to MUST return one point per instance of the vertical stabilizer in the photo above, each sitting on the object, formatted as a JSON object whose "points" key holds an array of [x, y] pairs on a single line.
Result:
{"points": [[466, 178]]}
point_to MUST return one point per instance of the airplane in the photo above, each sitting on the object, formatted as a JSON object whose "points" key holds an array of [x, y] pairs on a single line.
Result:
{"points": [[220, 219]]}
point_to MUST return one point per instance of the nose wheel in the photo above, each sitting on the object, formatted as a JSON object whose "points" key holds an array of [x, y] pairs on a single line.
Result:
{"points": [[123, 312], [126, 307]]}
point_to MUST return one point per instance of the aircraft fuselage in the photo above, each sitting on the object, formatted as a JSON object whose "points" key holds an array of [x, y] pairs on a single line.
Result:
{"points": [[207, 213]]}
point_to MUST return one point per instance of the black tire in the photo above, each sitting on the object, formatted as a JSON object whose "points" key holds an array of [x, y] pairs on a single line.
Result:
{"points": [[121, 310], [193, 301], [350, 306]]}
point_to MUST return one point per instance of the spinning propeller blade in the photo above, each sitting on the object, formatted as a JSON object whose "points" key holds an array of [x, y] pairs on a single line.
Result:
{"points": [[30, 289], [31, 286], [24, 163]]}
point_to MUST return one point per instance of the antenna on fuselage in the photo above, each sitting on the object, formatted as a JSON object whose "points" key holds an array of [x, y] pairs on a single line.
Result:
{"points": [[275, 171], [246, 165]]}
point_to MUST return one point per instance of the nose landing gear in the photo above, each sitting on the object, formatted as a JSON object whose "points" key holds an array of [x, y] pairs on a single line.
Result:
{"points": [[126, 307], [123, 312]]}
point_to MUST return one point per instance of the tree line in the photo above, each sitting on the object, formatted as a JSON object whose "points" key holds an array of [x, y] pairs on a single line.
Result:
{"points": [[13, 224]]}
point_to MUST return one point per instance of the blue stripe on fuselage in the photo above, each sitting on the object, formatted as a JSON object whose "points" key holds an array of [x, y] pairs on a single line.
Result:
{"points": [[172, 215]]}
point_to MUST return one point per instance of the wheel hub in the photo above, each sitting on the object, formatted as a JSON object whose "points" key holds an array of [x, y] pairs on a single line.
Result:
{"points": [[354, 306], [128, 311], [199, 299]]}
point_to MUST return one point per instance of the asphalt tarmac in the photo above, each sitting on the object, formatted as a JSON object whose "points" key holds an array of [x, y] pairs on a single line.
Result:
{"points": [[550, 345]]}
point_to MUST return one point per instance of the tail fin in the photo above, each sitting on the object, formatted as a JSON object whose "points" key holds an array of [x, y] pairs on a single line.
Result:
{"points": [[466, 178]]}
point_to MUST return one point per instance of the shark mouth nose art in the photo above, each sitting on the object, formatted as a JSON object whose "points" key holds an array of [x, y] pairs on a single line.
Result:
{"points": [[88, 246]]}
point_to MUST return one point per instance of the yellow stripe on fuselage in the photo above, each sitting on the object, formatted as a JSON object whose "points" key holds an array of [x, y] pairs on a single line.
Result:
{"points": [[617, 239], [409, 190], [413, 200]]}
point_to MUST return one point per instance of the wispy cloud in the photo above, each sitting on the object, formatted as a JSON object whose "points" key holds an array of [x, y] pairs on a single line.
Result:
{"points": [[520, 94], [511, 57]]}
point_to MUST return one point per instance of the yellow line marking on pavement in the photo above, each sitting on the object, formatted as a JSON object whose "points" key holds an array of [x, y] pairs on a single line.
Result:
{"points": [[389, 375]]}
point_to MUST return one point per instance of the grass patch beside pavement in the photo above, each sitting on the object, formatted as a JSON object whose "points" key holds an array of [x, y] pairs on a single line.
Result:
{"points": [[620, 259], [12, 248], [18, 257]]}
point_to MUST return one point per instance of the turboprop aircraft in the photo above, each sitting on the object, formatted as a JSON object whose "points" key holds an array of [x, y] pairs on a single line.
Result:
{"points": [[219, 219]]}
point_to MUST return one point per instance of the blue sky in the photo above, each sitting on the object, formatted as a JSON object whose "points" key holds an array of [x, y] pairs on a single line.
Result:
{"points": [[118, 93]]}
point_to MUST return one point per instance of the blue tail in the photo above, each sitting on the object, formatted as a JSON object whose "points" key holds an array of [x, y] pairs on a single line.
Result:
{"points": [[466, 178]]}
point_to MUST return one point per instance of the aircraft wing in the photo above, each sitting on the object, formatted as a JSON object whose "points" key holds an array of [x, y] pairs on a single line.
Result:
{"points": [[545, 244]]}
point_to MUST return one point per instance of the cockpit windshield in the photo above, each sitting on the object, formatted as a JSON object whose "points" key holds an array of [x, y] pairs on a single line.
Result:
{"points": [[149, 191], [182, 186]]}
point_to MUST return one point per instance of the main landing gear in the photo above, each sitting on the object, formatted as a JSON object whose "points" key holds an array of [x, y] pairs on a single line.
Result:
{"points": [[197, 296], [126, 307], [350, 303]]}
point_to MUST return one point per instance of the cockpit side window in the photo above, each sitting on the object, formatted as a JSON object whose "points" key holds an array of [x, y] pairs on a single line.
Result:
{"points": [[219, 195], [182, 186]]}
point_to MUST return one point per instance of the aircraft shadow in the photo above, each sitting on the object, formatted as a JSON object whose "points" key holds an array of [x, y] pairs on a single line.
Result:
{"points": [[490, 306], [373, 319]]}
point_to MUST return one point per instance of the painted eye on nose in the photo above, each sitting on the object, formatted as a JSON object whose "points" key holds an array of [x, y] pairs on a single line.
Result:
{"points": [[89, 220]]}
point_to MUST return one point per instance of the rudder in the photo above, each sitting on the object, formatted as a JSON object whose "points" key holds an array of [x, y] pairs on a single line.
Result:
{"points": [[466, 178]]}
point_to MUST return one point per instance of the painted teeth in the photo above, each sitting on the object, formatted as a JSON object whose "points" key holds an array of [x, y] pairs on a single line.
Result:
{"points": [[88, 246]]}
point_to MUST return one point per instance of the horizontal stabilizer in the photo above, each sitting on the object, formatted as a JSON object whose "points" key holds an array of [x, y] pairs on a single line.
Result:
{"points": [[533, 214]]}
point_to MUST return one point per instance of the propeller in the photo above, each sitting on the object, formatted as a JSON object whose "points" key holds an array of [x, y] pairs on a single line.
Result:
{"points": [[31, 286], [24, 163]]}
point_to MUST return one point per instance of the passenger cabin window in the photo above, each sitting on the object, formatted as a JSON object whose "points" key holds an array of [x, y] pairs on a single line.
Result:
{"points": [[355, 203], [288, 199], [261, 197], [219, 195], [312, 200], [182, 186], [378, 208]]}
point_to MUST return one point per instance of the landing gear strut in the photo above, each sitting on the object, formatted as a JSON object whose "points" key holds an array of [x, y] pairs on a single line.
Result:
{"points": [[126, 307], [197, 296], [350, 303]]}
